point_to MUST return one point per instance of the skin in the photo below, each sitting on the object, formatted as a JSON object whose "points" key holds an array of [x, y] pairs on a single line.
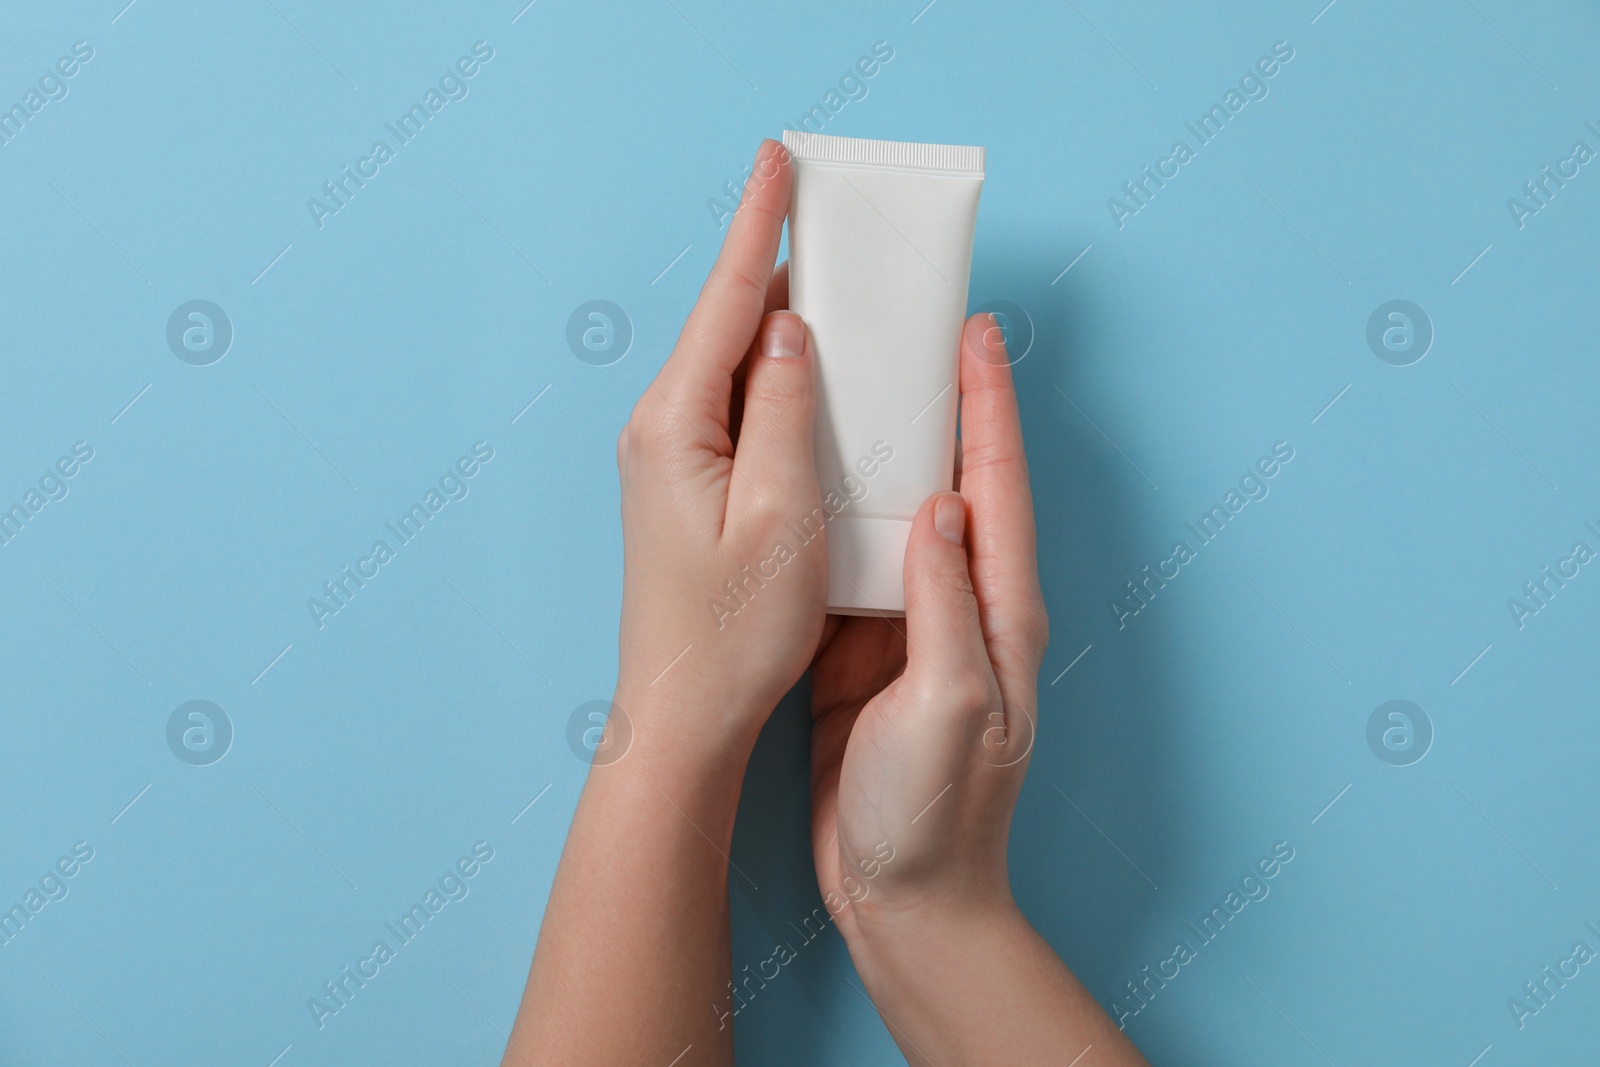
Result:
{"points": [[922, 725]]}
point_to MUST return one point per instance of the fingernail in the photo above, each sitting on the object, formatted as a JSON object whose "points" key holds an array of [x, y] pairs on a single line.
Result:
{"points": [[950, 517], [786, 336]]}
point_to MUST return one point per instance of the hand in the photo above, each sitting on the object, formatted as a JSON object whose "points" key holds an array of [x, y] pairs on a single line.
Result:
{"points": [[923, 728], [722, 603], [921, 740], [715, 461]]}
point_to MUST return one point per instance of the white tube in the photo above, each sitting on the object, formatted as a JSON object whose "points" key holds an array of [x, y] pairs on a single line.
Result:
{"points": [[880, 249]]}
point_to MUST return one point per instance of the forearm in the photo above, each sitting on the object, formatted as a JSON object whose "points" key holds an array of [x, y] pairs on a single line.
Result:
{"points": [[634, 948], [981, 988]]}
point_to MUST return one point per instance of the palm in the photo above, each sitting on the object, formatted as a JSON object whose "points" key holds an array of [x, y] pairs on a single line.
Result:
{"points": [[858, 658]]}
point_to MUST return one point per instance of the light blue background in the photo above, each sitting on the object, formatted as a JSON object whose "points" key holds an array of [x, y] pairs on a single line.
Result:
{"points": [[427, 314]]}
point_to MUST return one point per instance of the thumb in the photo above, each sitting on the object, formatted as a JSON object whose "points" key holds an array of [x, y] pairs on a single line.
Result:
{"points": [[946, 658], [780, 400]]}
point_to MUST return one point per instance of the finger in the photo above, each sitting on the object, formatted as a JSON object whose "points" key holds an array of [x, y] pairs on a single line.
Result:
{"points": [[777, 290], [994, 479], [698, 376], [777, 300], [774, 455], [945, 654]]}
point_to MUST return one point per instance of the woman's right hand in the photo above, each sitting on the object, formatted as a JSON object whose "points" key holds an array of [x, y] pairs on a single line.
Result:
{"points": [[922, 736], [923, 726]]}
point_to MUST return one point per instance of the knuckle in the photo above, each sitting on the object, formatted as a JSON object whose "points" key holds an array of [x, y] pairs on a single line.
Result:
{"points": [[952, 574], [1020, 638], [758, 210], [737, 279], [976, 690], [982, 455], [648, 431], [965, 690], [938, 582], [1036, 626], [782, 386], [770, 502]]}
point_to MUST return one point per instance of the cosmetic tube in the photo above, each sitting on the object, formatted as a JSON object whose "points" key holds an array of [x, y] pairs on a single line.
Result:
{"points": [[880, 249]]}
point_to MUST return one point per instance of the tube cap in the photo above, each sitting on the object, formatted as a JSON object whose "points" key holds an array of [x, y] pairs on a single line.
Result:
{"points": [[866, 566]]}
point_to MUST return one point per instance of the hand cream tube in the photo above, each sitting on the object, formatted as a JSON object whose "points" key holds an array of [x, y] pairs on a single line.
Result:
{"points": [[880, 249]]}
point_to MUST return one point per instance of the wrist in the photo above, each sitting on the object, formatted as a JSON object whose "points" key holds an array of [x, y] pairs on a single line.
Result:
{"points": [[944, 976], [975, 983], [888, 933], [694, 749]]}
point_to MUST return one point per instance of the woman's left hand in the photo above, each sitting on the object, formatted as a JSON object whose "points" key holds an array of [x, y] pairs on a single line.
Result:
{"points": [[722, 603]]}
